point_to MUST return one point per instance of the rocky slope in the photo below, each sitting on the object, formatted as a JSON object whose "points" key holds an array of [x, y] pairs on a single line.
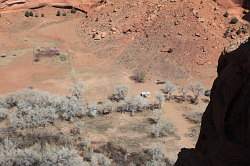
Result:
{"points": [[177, 40], [225, 136]]}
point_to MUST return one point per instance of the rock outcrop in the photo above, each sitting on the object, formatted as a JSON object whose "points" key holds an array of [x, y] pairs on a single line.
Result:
{"points": [[246, 4], [225, 131]]}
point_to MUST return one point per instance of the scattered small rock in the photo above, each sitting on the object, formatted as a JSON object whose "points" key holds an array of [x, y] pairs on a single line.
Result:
{"points": [[179, 33], [3, 56], [97, 36], [113, 29], [226, 14], [201, 19], [197, 34], [170, 50], [103, 34]]}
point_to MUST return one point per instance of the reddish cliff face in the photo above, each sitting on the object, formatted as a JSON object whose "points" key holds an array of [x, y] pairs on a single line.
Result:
{"points": [[225, 132]]}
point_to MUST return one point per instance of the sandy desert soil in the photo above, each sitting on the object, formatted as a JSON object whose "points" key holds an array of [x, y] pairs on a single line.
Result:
{"points": [[101, 47]]}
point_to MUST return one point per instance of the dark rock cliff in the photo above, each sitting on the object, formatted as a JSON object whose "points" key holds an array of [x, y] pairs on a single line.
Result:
{"points": [[246, 4], [225, 131]]}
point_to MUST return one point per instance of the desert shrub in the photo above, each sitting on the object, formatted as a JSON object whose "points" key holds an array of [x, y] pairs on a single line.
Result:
{"points": [[43, 137], [155, 163], [98, 159], [138, 103], [39, 108], [106, 107], [194, 117], [62, 156], [168, 89], [58, 13], [31, 14], [42, 15], [193, 132], [156, 154], [20, 158], [92, 110], [242, 30], [122, 106], [64, 14], [139, 76], [69, 108], [3, 103], [234, 20], [85, 146], [133, 104], [3, 114], [63, 57], [119, 93], [229, 31], [27, 14], [12, 155], [156, 157], [182, 95], [77, 90], [121, 156], [163, 129], [160, 98], [73, 10], [197, 89], [155, 118], [33, 117]]}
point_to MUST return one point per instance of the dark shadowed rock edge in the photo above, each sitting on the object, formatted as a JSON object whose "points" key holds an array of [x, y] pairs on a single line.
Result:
{"points": [[246, 4], [224, 138]]}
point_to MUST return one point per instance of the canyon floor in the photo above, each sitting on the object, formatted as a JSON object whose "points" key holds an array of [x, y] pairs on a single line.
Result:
{"points": [[175, 40]]}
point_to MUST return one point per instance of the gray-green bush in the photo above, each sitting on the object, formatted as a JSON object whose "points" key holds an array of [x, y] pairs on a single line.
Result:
{"points": [[194, 117], [120, 93], [12, 155], [98, 159], [163, 129], [158, 158], [197, 89], [3, 114], [139, 76], [37, 108]]}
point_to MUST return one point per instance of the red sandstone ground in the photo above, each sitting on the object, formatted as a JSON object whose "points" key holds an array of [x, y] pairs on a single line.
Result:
{"points": [[137, 34]]}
